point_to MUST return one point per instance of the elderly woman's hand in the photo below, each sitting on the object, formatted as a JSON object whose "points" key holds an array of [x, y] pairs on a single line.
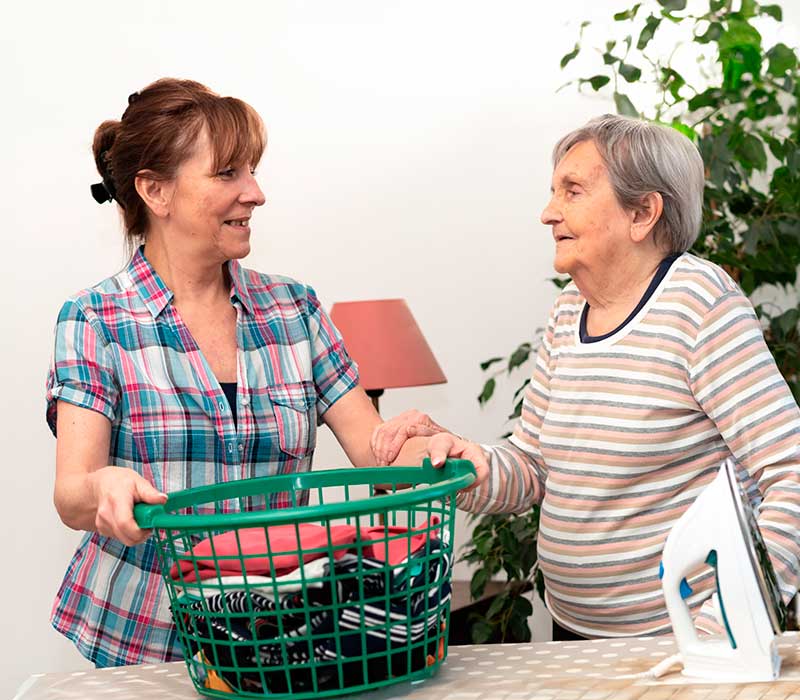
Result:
{"points": [[389, 437], [445, 445]]}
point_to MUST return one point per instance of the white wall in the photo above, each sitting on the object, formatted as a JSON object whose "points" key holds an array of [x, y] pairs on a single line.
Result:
{"points": [[408, 156]]}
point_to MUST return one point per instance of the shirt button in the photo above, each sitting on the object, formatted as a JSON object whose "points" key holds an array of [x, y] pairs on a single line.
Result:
{"points": [[245, 401], [221, 407], [241, 447]]}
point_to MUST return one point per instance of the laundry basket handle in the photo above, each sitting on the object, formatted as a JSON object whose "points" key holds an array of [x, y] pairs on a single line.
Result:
{"points": [[453, 476]]}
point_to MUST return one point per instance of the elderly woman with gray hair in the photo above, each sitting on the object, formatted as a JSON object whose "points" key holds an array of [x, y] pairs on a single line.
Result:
{"points": [[652, 370]]}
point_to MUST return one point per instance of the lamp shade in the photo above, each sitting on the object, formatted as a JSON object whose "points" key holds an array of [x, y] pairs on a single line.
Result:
{"points": [[384, 339]]}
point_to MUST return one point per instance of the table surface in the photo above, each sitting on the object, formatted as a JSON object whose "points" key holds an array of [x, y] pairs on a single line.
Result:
{"points": [[588, 670]]}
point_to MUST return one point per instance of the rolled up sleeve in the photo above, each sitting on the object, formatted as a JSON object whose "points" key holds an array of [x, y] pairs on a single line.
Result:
{"points": [[81, 370]]}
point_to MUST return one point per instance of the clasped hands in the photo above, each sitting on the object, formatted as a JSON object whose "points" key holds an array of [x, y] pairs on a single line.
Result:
{"points": [[389, 437]]}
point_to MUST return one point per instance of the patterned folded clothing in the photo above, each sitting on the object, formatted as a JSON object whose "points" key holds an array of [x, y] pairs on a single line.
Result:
{"points": [[369, 621]]}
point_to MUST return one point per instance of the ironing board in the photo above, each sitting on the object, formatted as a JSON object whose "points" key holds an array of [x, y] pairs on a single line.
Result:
{"points": [[552, 670]]}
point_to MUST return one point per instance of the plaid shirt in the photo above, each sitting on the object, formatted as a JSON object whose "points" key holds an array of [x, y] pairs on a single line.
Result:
{"points": [[121, 349]]}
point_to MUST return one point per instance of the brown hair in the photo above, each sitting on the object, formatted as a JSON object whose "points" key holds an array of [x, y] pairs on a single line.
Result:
{"points": [[157, 133]]}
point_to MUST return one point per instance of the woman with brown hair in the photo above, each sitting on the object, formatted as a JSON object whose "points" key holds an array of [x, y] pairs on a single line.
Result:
{"points": [[184, 368]]}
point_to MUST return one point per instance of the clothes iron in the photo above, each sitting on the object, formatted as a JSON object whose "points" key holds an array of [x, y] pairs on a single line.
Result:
{"points": [[720, 529]]}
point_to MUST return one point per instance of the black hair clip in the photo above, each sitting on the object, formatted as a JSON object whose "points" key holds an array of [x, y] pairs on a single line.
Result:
{"points": [[102, 192], [133, 97]]}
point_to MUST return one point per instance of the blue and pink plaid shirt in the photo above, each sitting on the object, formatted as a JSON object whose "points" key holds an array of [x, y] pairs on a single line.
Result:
{"points": [[121, 349]]}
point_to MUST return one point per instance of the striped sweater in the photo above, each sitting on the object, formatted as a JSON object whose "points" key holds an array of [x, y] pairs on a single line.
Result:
{"points": [[618, 437]]}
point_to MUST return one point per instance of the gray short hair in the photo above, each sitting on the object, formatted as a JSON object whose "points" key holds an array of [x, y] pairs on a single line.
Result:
{"points": [[644, 157]]}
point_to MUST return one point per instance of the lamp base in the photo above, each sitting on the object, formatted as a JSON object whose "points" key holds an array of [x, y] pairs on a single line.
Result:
{"points": [[375, 394]]}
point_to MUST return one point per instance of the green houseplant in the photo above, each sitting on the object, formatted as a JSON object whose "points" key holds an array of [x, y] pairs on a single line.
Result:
{"points": [[741, 108]]}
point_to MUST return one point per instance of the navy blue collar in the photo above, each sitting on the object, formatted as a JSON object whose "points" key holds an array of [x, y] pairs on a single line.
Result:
{"points": [[661, 273]]}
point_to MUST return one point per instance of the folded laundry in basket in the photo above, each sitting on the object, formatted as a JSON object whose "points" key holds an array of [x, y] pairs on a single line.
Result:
{"points": [[393, 543], [224, 554], [307, 575], [358, 611], [246, 550]]}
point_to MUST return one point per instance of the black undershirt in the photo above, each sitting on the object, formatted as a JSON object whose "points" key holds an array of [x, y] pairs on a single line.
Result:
{"points": [[661, 272], [562, 634], [230, 393]]}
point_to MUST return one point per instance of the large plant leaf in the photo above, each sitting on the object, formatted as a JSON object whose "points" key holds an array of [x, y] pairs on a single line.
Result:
{"points": [[624, 105], [519, 356], [597, 81], [781, 60], [708, 98], [773, 11], [478, 583], [627, 14], [567, 57], [629, 72], [481, 631], [491, 361], [751, 152], [648, 32], [501, 600], [739, 33], [488, 390]]}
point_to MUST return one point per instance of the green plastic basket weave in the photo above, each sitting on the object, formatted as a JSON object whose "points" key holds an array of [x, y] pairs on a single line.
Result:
{"points": [[369, 607]]}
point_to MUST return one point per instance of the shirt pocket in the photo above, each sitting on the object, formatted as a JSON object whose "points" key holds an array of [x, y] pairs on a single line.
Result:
{"points": [[292, 405]]}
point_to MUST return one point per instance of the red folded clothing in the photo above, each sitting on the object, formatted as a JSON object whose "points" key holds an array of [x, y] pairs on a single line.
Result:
{"points": [[393, 544], [249, 546], [389, 543]]}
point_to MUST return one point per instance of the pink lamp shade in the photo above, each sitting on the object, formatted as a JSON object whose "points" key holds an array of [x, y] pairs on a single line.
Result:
{"points": [[384, 339]]}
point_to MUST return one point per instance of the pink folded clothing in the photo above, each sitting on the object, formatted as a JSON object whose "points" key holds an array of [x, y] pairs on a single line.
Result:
{"points": [[393, 544], [249, 546], [388, 543]]}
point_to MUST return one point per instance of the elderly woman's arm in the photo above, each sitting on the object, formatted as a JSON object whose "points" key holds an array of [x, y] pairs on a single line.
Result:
{"points": [[511, 476], [513, 481], [516, 474], [735, 381]]}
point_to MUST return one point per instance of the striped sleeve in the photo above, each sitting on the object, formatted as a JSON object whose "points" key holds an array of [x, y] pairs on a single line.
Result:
{"points": [[735, 381], [81, 371], [516, 468]]}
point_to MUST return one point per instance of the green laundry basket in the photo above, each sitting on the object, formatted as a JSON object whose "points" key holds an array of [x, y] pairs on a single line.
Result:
{"points": [[368, 607]]}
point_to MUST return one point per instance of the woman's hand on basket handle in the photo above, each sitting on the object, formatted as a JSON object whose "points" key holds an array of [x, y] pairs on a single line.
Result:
{"points": [[89, 495], [446, 445], [115, 491], [389, 437]]}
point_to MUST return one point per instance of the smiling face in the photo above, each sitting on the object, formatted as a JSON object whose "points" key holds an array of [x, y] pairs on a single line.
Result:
{"points": [[590, 227], [209, 209]]}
